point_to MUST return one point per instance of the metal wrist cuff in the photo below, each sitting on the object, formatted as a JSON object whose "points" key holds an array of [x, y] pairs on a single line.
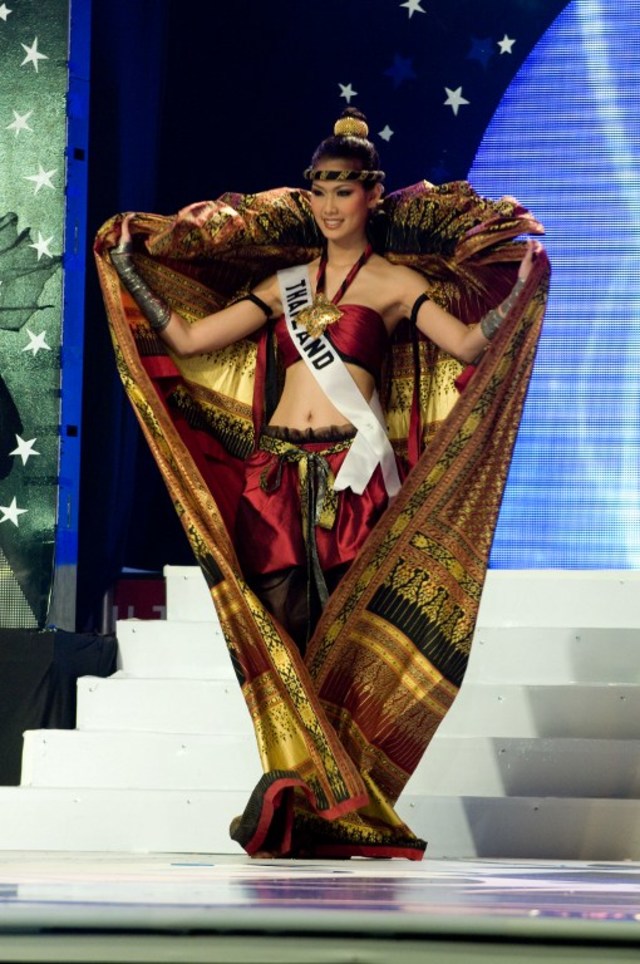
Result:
{"points": [[123, 247], [490, 322], [152, 306]]}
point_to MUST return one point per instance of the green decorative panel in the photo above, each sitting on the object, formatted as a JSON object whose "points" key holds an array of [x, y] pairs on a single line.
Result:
{"points": [[33, 96]]}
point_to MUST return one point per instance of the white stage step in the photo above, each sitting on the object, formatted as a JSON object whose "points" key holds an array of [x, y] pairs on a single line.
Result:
{"points": [[142, 761], [187, 596], [596, 598], [197, 821], [513, 767], [543, 653], [169, 821], [479, 766], [177, 649], [591, 710], [532, 828], [161, 705], [539, 756]]}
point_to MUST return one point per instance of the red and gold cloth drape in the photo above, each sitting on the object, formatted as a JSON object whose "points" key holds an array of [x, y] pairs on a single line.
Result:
{"points": [[340, 732]]}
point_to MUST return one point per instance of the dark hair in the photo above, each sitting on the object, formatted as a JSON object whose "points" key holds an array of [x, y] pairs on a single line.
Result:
{"points": [[349, 147]]}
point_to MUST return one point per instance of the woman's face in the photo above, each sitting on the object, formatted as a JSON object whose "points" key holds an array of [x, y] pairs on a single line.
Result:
{"points": [[341, 208]]}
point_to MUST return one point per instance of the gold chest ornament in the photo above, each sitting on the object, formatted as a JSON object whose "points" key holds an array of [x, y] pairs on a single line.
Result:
{"points": [[316, 317]]}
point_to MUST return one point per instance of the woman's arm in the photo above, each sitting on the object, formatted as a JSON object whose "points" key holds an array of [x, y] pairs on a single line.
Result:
{"points": [[458, 339], [210, 333]]}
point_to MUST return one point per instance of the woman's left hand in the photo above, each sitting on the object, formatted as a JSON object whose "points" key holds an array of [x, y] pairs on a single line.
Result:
{"points": [[534, 248]]}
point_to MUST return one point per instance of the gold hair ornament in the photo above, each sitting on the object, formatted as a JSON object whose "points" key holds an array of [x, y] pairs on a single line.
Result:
{"points": [[350, 127]]}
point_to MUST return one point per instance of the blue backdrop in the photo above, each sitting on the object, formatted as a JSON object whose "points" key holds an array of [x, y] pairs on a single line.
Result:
{"points": [[566, 138]]}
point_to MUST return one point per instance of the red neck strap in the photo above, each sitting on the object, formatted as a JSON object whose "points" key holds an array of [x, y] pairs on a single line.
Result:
{"points": [[322, 271]]}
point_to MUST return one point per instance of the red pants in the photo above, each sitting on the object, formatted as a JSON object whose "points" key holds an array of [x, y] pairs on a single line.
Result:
{"points": [[293, 531]]}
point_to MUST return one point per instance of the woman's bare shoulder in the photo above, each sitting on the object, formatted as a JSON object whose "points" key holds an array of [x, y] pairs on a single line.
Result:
{"points": [[271, 285], [399, 272], [401, 279]]}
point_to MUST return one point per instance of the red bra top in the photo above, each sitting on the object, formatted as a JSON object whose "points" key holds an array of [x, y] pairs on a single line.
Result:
{"points": [[359, 337]]}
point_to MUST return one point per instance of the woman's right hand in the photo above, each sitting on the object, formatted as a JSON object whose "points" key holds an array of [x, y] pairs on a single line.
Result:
{"points": [[125, 230], [198, 213]]}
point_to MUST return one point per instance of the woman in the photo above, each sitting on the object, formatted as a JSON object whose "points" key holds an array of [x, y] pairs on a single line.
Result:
{"points": [[346, 190], [318, 478]]}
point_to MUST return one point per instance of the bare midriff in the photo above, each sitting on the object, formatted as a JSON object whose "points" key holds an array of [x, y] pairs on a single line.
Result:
{"points": [[303, 404]]}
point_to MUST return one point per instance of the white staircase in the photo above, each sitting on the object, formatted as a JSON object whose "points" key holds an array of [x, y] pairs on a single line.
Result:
{"points": [[163, 756], [539, 756]]}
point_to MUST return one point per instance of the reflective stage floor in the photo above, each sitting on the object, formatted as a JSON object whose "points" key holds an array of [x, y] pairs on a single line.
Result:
{"points": [[170, 907]]}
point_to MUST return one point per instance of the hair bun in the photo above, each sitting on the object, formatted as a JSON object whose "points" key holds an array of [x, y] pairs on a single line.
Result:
{"points": [[351, 127]]}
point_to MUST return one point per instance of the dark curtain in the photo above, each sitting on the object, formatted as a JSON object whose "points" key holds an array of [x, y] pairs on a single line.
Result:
{"points": [[38, 678], [119, 482]]}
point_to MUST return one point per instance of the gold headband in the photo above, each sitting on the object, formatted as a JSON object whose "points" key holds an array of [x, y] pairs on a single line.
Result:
{"points": [[311, 174], [350, 126]]}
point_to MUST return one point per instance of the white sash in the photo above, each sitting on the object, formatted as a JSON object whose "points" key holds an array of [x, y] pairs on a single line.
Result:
{"points": [[371, 445]]}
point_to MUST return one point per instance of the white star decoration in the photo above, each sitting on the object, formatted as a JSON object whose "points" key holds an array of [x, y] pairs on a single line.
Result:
{"points": [[413, 6], [455, 99], [347, 91], [506, 44], [36, 343], [20, 122], [11, 512], [386, 133], [25, 449], [4, 11], [41, 179], [33, 55], [42, 246]]}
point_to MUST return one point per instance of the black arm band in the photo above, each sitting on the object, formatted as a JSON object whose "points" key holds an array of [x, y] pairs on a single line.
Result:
{"points": [[259, 302], [417, 304]]}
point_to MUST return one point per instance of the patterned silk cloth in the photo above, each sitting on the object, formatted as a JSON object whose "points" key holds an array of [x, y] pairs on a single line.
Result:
{"points": [[340, 731]]}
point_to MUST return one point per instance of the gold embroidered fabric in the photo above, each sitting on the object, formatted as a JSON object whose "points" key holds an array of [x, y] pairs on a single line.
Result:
{"points": [[340, 732]]}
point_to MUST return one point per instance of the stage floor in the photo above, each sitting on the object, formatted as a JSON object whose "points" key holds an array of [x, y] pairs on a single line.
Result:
{"points": [[171, 907]]}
